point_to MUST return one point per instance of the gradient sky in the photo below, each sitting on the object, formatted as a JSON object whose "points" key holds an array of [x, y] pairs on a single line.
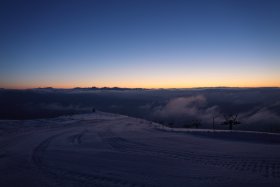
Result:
{"points": [[141, 43]]}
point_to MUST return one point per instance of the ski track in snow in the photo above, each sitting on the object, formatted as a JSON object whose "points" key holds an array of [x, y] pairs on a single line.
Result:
{"points": [[103, 149]]}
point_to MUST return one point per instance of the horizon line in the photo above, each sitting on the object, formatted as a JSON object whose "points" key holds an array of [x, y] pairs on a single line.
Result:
{"points": [[143, 88]]}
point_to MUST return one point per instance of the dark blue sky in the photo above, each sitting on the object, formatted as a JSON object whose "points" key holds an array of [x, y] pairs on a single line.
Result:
{"points": [[139, 43]]}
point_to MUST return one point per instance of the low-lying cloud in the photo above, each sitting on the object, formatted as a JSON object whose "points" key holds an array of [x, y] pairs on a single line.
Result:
{"points": [[257, 109], [187, 109]]}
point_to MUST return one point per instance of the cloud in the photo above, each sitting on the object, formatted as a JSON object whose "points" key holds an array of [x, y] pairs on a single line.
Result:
{"points": [[60, 107], [257, 108], [181, 106], [262, 116], [187, 108], [183, 110]]}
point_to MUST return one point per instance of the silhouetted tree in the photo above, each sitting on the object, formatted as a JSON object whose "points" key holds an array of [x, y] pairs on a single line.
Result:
{"points": [[213, 121], [171, 124], [93, 110], [231, 121], [186, 125], [196, 123]]}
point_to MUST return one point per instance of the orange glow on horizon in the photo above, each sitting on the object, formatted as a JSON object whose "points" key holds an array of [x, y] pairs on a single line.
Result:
{"points": [[149, 85]]}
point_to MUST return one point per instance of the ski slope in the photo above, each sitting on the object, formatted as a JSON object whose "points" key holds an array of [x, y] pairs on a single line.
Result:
{"points": [[102, 149]]}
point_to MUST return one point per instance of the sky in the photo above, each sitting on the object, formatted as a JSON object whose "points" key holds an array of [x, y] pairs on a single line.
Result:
{"points": [[139, 43]]}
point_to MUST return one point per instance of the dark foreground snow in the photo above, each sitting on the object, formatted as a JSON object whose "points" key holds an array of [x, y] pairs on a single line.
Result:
{"points": [[103, 149]]}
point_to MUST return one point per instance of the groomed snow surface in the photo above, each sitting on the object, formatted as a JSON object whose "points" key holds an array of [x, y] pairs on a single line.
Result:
{"points": [[102, 149]]}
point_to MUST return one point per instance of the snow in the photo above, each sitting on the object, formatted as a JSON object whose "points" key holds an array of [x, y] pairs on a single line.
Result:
{"points": [[102, 149]]}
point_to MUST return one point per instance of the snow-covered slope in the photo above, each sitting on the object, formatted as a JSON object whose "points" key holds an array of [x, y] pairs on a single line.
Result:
{"points": [[102, 149]]}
